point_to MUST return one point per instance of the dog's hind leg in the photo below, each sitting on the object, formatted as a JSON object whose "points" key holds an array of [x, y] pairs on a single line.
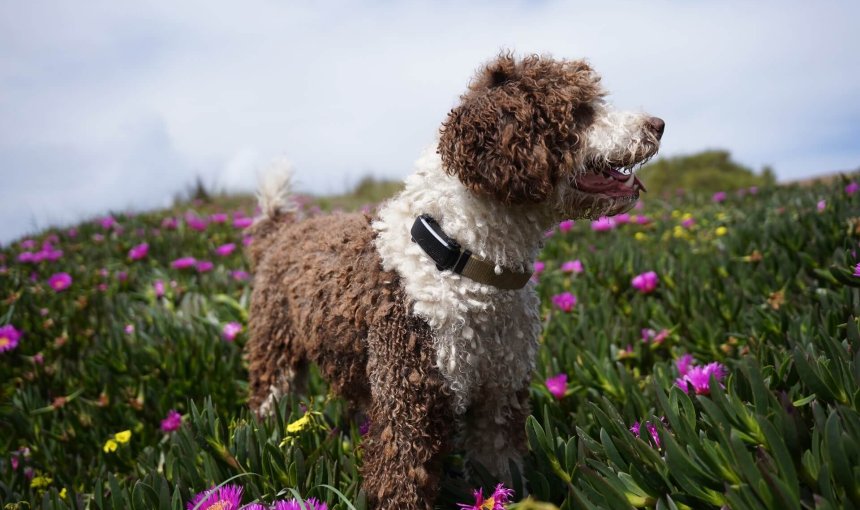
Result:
{"points": [[411, 420]]}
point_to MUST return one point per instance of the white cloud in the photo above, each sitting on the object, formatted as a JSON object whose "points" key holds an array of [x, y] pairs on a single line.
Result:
{"points": [[96, 97]]}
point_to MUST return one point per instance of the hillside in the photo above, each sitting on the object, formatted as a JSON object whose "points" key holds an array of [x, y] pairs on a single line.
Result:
{"points": [[730, 377]]}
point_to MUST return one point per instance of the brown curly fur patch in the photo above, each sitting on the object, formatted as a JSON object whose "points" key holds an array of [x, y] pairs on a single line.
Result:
{"points": [[320, 295], [516, 130]]}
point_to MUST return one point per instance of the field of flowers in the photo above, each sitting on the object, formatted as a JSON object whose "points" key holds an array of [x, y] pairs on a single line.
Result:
{"points": [[700, 352]]}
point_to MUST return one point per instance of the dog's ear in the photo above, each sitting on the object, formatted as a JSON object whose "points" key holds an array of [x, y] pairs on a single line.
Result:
{"points": [[491, 143]]}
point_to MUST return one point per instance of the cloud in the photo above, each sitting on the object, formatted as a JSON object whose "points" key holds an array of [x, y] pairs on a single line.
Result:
{"points": [[107, 105]]}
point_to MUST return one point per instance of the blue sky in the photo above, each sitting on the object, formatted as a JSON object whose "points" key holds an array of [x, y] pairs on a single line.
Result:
{"points": [[108, 106]]}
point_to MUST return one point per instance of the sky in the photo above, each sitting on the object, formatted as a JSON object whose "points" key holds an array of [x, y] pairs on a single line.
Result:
{"points": [[112, 106]]}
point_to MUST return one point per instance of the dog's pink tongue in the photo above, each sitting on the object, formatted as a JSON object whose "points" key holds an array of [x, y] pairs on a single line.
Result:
{"points": [[611, 184]]}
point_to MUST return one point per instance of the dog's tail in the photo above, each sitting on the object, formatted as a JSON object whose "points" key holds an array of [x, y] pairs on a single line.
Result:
{"points": [[274, 197]]}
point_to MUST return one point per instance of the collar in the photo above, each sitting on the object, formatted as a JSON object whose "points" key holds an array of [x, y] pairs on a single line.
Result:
{"points": [[449, 256]]}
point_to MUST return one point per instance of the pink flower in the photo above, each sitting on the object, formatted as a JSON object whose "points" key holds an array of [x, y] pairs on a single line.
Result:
{"points": [[699, 378], [539, 267], [138, 252], [652, 431], [564, 301], [9, 337], [822, 204], [242, 223], [852, 188], [183, 263], [231, 330], [565, 226], [204, 266], [218, 218], [602, 224], [688, 223], [753, 190], [240, 276], [649, 335], [557, 385], [310, 504], [642, 220], [622, 218], [227, 497], [645, 282], [684, 363], [158, 287], [719, 196], [247, 240], [28, 244], [496, 501], [107, 222], [573, 266], [857, 270], [169, 223], [60, 281], [129, 329], [225, 249], [195, 222], [172, 422]]}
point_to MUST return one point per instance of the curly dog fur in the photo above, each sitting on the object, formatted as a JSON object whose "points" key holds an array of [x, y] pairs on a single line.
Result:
{"points": [[432, 355]]}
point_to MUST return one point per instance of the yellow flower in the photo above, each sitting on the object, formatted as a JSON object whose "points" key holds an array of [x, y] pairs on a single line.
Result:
{"points": [[40, 482], [721, 231], [640, 236], [64, 493], [110, 446], [676, 213], [721, 216], [299, 424], [122, 437]]}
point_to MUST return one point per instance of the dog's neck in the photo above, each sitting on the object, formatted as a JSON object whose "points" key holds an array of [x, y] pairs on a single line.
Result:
{"points": [[507, 236]]}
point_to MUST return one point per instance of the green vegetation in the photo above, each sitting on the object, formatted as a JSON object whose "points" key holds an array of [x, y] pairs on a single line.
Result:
{"points": [[704, 172], [762, 284]]}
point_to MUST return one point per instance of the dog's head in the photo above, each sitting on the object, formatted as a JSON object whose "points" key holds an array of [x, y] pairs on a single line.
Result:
{"points": [[537, 131]]}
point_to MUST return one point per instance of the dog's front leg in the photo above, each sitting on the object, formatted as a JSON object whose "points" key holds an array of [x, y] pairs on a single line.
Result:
{"points": [[496, 430], [411, 419]]}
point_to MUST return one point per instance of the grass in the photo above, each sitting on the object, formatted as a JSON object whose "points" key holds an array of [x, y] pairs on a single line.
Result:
{"points": [[762, 284]]}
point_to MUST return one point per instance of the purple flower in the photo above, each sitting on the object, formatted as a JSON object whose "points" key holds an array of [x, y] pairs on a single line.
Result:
{"points": [[129, 329], [496, 501], [247, 240], [564, 301], [195, 222], [636, 430], [107, 222], [684, 363], [645, 282], [60, 281], [204, 266], [218, 218], [231, 330], [557, 385], [170, 223], [753, 190], [183, 263], [719, 196], [225, 249], [158, 287], [28, 244], [242, 223], [688, 223], [649, 335], [138, 252], [227, 497], [857, 270], [572, 266], [602, 224], [255, 506], [852, 188], [172, 422], [622, 218], [822, 204], [539, 267], [699, 377], [565, 226], [9, 337], [364, 428], [240, 276], [642, 220], [310, 504]]}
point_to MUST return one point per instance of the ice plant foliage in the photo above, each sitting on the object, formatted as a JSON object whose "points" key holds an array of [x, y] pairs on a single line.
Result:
{"points": [[497, 501]]}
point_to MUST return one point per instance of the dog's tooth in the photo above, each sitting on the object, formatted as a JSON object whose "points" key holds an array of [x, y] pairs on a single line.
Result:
{"points": [[629, 181]]}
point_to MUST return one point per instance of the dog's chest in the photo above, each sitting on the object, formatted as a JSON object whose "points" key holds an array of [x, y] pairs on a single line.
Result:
{"points": [[485, 340]]}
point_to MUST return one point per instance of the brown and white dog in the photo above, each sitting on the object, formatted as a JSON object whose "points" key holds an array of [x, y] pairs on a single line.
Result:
{"points": [[432, 354]]}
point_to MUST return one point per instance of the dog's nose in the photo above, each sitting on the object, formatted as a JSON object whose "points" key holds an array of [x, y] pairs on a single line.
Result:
{"points": [[657, 125]]}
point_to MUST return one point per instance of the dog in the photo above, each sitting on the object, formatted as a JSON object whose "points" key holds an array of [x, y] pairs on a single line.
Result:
{"points": [[425, 315]]}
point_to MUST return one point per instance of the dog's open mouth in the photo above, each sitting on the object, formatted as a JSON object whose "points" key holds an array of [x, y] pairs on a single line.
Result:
{"points": [[616, 183]]}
